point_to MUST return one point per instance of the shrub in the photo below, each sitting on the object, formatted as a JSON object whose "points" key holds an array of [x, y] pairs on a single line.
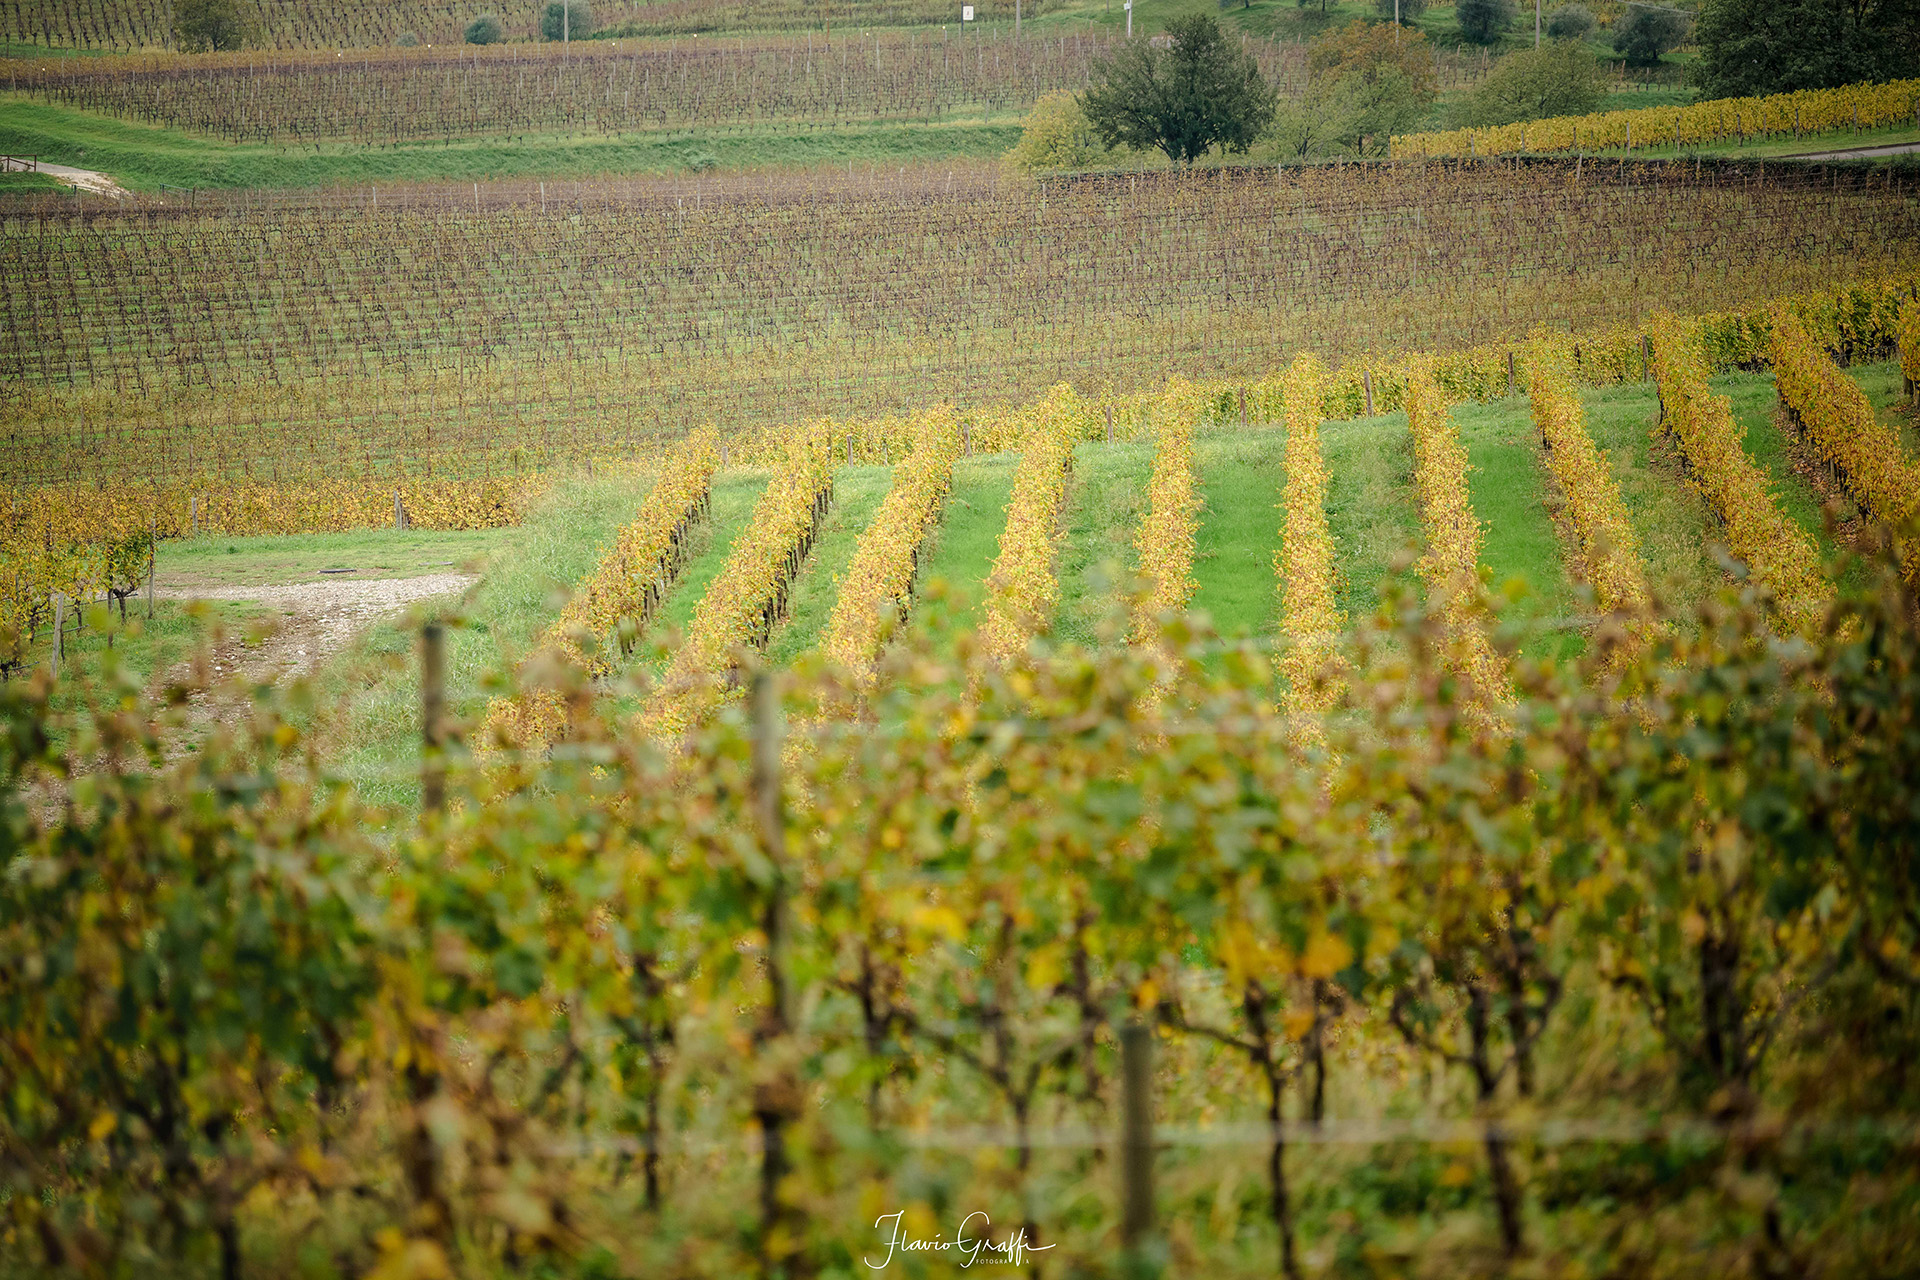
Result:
{"points": [[407, 40], [1570, 22], [1056, 136], [1561, 79], [485, 29], [1482, 21], [572, 19]]}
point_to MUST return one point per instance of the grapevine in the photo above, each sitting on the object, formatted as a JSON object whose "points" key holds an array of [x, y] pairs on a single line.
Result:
{"points": [[1780, 555]]}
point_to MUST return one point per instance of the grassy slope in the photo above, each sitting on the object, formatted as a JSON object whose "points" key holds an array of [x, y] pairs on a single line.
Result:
{"points": [[1755, 405], [857, 493], [373, 553], [1098, 558], [142, 157], [1670, 519], [373, 738], [968, 540], [1519, 545], [1242, 476], [734, 496], [1372, 511]]}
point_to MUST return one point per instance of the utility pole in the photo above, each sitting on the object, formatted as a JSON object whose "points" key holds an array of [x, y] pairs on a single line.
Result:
{"points": [[1130, 17]]}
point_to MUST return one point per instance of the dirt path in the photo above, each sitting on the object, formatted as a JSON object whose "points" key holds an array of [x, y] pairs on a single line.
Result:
{"points": [[87, 180], [317, 620], [1859, 153]]}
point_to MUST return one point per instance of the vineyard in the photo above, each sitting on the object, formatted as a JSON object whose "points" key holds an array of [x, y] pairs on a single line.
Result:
{"points": [[400, 336], [1349, 722], [1809, 111], [138, 25]]}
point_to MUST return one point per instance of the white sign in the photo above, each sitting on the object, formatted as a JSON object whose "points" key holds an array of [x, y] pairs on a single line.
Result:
{"points": [[966, 13], [1128, 5]]}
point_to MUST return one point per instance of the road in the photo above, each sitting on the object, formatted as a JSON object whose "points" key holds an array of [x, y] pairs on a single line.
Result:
{"points": [[1858, 153]]}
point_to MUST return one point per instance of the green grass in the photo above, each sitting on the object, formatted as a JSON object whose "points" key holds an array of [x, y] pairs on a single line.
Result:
{"points": [[734, 496], [214, 560], [857, 494], [142, 157], [1372, 510], [14, 181], [1106, 499], [1242, 476], [967, 542], [1519, 546], [373, 737], [1675, 528]]}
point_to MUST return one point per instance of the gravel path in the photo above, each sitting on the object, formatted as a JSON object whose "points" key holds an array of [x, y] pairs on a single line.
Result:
{"points": [[322, 618], [1859, 153], [86, 179]]}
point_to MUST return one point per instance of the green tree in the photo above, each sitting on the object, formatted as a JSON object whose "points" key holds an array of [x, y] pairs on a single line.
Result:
{"points": [[1198, 93], [1750, 47], [201, 25], [1561, 79], [1648, 33], [485, 29], [1482, 21], [573, 19], [1408, 10], [1570, 22]]}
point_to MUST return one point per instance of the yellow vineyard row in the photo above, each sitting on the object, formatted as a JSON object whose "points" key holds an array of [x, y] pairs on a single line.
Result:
{"points": [[1022, 589], [1855, 106], [1834, 415], [1604, 543], [750, 593], [879, 583], [1310, 621], [1451, 565], [1166, 533], [1777, 552], [622, 593]]}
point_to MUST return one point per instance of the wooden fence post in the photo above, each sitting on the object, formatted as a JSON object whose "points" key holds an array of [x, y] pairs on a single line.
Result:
{"points": [[153, 546], [1509, 373], [776, 1093], [1366, 385], [399, 512], [1136, 1148], [193, 515], [433, 695], [1109, 424], [59, 629]]}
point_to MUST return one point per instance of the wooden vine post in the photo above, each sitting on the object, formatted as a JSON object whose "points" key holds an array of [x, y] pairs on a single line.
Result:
{"points": [[433, 699], [1139, 1257], [776, 1094]]}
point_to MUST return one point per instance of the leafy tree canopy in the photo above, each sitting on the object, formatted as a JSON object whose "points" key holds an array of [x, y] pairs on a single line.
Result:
{"points": [[573, 19], [1197, 93], [201, 25], [1375, 53], [1644, 34], [1755, 47], [1482, 21], [1562, 79], [485, 29], [1056, 136], [1570, 22]]}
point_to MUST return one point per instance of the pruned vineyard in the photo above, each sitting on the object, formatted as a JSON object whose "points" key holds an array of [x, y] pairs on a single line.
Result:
{"points": [[392, 96], [387, 336], [137, 25]]}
